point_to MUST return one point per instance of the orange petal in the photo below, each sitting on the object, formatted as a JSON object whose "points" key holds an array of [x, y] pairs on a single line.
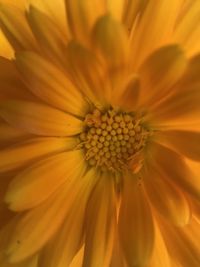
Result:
{"points": [[54, 9], [187, 31], [87, 72], [166, 197], [48, 35], [136, 228], [49, 83], [40, 178], [175, 169], [111, 41], [15, 28], [11, 84], [155, 29], [81, 16], [5, 48], [28, 151], [39, 119], [160, 72], [60, 250], [183, 142], [33, 229], [100, 224], [116, 8]]}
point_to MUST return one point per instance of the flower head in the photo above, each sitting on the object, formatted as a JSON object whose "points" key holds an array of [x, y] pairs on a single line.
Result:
{"points": [[99, 133]]}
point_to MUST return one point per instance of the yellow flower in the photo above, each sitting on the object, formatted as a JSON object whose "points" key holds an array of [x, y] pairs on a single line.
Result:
{"points": [[99, 133]]}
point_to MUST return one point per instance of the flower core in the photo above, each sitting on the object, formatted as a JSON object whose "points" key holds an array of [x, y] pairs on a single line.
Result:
{"points": [[111, 139]]}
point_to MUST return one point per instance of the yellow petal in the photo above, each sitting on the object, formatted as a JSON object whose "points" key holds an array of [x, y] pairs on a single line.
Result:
{"points": [[60, 250], [28, 151], [183, 243], [160, 72], [48, 35], [54, 9], [111, 40], [17, 3], [154, 29], [136, 228], [15, 28], [100, 224], [78, 259], [49, 83], [116, 8], [166, 197], [128, 97], [179, 107], [131, 11], [87, 72], [11, 84], [183, 142], [30, 262], [175, 169], [39, 119], [40, 178], [10, 135], [36, 227], [160, 255], [81, 16], [187, 31], [5, 48]]}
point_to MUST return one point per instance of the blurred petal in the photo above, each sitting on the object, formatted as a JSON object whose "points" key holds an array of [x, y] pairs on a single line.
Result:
{"points": [[111, 40], [178, 172], [30, 150], [183, 142], [33, 229], [82, 15], [40, 178], [136, 228], [5, 48], [100, 224], [116, 8], [166, 197], [48, 35], [55, 9], [61, 250], [49, 83], [154, 29], [15, 28], [160, 72], [39, 119], [187, 31]]}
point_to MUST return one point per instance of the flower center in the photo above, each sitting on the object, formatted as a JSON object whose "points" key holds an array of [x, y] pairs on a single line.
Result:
{"points": [[111, 140]]}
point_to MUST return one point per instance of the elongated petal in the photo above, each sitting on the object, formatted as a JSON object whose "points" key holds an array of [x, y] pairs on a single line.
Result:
{"points": [[160, 72], [34, 229], [184, 142], [81, 16], [100, 224], [187, 31], [40, 178], [48, 35], [87, 72], [154, 28], [183, 243], [116, 8], [160, 255], [175, 169], [111, 40], [61, 250], [136, 229], [49, 83], [128, 97], [15, 28], [11, 84], [5, 48], [166, 197], [39, 119], [30, 150], [181, 106]]}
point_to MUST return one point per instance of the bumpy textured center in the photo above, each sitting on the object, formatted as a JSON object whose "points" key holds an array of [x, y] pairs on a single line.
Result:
{"points": [[112, 139]]}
